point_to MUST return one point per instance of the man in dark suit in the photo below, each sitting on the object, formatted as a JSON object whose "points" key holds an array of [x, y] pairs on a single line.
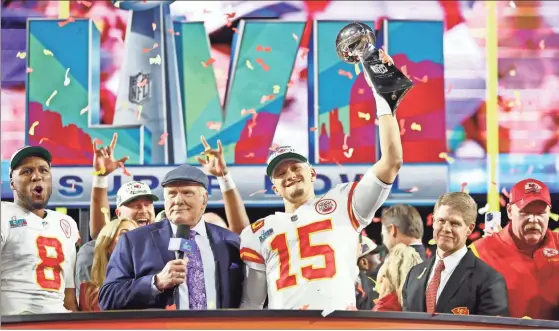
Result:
{"points": [[454, 280], [142, 273]]}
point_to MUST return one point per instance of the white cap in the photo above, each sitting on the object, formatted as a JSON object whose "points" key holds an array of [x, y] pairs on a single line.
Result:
{"points": [[369, 246], [133, 190]]}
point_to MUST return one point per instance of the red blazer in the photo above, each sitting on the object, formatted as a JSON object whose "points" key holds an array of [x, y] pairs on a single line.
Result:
{"points": [[388, 302]]}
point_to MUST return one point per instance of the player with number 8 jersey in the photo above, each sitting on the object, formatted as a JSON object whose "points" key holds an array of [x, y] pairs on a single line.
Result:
{"points": [[306, 258], [38, 246]]}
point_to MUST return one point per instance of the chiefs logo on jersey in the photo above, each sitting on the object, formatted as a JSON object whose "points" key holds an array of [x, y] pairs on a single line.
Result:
{"points": [[65, 226], [550, 252], [257, 225], [325, 207], [461, 311]]}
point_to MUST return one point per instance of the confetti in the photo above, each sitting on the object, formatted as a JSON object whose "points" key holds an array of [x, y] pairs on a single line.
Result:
{"points": [[361, 91], [314, 128], [349, 153], [66, 78], [230, 15], [348, 74], [64, 23], [327, 312], [21, 55], [542, 44], [153, 26], [117, 4], [415, 127], [88, 3], [50, 98], [413, 189], [295, 36], [249, 65], [47, 52], [124, 171], [502, 202], [171, 31], [357, 69], [155, 60], [250, 111], [526, 317], [447, 158], [105, 212], [425, 79], [265, 98], [505, 193], [249, 155], [512, 4], [305, 307], [512, 72], [276, 89], [463, 186], [214, 125], [97, 141], [517, 98], [432, 242], [365, 116], [143, 82], [304, 52], [257, 192], [84, 110], [345, 142], [402, 124], [260, 48], [430, 219], [140, 108], [450, 87], [483, 210], [208, 62], [530, 170], [251, 126], [554, 217], [29, 70], [262, 64], [162, 139]]}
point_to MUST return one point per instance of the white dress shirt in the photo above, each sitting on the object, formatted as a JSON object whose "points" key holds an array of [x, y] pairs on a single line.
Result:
{"points": [[450, 263], [208, 263]]}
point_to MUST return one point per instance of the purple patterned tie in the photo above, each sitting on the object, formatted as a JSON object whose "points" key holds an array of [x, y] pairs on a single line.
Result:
{"points": [[195, 278]]}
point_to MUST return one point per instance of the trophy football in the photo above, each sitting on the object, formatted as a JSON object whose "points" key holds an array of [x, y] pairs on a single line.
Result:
{"points": [[356, 43]]}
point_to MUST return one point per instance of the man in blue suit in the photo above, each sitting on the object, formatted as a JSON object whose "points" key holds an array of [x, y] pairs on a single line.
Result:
{"points": [[142, 273]]}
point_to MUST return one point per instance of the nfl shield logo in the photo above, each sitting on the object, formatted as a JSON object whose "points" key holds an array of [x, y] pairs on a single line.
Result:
{"points": [[379, 69], [139, 88]]}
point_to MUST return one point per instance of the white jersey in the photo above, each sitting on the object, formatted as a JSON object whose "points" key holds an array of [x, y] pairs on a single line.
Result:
{"points": [[310, 256], [37, 260]]}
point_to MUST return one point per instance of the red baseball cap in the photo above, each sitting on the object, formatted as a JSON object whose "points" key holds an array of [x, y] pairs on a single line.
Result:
{"points": [[529, 190]]}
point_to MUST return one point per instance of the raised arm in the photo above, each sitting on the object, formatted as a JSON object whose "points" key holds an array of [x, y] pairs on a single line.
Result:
{"points": [[103, 165], [214, 164]]}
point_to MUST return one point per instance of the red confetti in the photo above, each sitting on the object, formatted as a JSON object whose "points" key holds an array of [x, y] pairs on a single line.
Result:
{"points": [[450, 86], [425, 79], [428, 252], [163, 138], [231, 15], [265, 98], [97, 141], [249, 155], [262, 64], [481, 226], [69, 20], [260, 48], [502, 202], [43, 139], [463, 186], [376, 220], [475, 235], [430, 219], [124, 171], [208, 62], [313, 129]]}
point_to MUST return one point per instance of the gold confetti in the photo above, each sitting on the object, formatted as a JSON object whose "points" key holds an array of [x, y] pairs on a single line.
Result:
{"points": [[32, 128], [432, 242], [517, 98], [117, 4], [445, 156], [415, 126], [349, 153], [554, 217], [276, 89], [155, 60], [365, 116], [21, 55], [357, 69], [100, 172], [50, 98], [249, 65], [47, 52], [140, 108]]}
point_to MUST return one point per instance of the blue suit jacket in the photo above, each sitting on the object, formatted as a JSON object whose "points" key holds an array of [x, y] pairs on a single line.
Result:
{"points": [[142, 253]]}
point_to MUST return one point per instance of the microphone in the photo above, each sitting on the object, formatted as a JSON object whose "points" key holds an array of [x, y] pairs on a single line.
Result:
{"points": [[180, 243]]}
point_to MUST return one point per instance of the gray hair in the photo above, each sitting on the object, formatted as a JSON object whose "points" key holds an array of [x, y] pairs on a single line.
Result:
{"points": [[406, 218]]}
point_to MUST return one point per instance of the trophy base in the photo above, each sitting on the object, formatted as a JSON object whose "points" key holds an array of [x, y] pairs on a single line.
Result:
{"points": [[394, 98]]}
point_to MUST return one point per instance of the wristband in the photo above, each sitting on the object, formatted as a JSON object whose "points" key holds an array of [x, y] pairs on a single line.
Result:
{"points": [[100, 182], [226, 183]]}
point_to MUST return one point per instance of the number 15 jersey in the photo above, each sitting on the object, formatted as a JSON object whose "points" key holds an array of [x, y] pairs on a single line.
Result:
{"points": [[310, 256], [38, 257]]}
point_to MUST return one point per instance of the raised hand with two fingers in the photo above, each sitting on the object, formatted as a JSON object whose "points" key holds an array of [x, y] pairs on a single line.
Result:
{"points": [[213, 160], [104, 162]]}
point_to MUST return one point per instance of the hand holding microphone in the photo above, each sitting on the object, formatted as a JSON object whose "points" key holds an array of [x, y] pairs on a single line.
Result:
{"points": [[174, 272]]}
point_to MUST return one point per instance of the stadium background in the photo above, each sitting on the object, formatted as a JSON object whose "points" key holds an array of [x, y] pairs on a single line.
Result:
{"points": [[443, 119]]}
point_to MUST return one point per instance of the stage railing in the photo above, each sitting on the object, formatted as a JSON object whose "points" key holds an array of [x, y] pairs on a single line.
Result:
{"points": [[265, 319]]}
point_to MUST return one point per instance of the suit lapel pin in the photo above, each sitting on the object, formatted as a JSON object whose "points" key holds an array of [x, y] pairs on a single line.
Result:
{"points": [[422, 273]]}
